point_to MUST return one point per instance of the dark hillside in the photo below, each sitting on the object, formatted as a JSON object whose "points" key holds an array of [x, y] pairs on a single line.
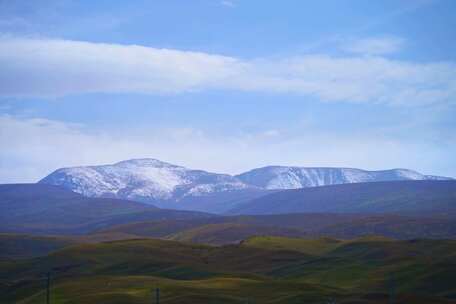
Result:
{"points": [[401, 197], [47, 209]]}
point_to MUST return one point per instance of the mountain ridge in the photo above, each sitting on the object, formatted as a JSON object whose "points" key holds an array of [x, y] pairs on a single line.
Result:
{"points": [[166, 185], [413, 197], [294, 177], [149, 181]]}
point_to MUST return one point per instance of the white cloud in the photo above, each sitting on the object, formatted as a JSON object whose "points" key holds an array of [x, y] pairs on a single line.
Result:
{"points": [[271, 133], [33, 147], [227, 3], [44, 67], [58, 67], [374, 46]]}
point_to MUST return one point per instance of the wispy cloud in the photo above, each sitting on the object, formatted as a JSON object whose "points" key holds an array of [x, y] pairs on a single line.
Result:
{"points": [[33, 147], [227, 3], [45, 67], [406, 7], [374, 46]]}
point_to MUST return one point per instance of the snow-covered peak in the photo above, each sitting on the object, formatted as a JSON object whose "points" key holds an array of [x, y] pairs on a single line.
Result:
{"points": [[408, 174], [145, 162], [151, 180], [283, 177], [141, 179]]}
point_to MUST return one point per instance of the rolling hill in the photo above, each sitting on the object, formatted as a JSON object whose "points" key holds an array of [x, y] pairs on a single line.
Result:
{"points": [[262, 270], [296, 223], [393, 226], [404, 197], [229, 229], [28, 246], [48, 209], [227, 233]]}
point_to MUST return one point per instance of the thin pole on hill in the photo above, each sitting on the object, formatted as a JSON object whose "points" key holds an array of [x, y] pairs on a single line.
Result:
{"points": [[392, 289], [48, 288], [157, 295]]}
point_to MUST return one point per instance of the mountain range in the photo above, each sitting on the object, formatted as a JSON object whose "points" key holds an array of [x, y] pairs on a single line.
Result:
{"points": [[421, 209], [282, 177], [170, 186], [111, 250]]}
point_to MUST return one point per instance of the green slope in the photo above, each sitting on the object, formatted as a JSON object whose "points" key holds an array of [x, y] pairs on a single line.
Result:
{"points": [[229, 229], [139, 289], [418, 266], [264, 269], [310, 246], [226, 233]]}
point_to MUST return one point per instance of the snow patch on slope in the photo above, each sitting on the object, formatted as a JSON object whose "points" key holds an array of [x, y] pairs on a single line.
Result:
{"points": [[142, 179], [281, 177]]}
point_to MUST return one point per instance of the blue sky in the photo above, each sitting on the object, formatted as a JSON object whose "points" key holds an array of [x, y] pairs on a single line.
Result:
{"points": [[227, 86]]}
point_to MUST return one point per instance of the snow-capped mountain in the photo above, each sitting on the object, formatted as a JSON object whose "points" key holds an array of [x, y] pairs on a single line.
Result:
{"points": [[169, 186], [147, 180], [281, 177]]}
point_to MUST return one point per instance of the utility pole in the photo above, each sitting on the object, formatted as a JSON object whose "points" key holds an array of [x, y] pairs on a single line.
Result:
{"points": [[157, 295], [48, 288], [392, 289]]}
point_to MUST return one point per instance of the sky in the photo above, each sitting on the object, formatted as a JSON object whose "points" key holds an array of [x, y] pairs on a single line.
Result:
{"points": [[227, 86]]}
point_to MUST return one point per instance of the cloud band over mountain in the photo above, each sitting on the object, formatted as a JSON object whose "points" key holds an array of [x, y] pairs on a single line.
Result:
{"points": [[55, 67]]}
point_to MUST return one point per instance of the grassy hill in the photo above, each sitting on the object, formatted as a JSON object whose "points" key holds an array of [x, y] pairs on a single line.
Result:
{"points": [[262, 269], [47, 209], [229, 229], [226, 233], [18, 246], [398, 227], [107, 253], [27, 246], [318, 246], [417, 266], [399, 197]]}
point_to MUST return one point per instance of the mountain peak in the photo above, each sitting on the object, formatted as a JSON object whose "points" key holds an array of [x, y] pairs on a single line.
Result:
{"points": [[283, 177], [167, 185], [146, 179], [149, 162]]}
